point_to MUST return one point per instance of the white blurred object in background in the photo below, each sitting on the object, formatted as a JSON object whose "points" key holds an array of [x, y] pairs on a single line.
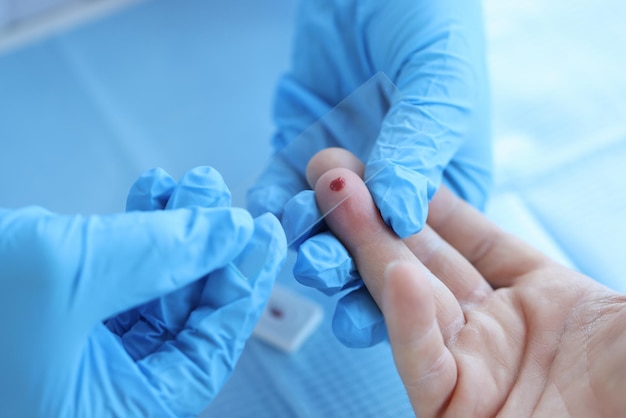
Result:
{"points": [[22, 21], [15, 11]]}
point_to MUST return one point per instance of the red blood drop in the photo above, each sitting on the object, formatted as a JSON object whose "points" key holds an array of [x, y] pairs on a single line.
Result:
{"points": [[337, 184], [276, 313]]}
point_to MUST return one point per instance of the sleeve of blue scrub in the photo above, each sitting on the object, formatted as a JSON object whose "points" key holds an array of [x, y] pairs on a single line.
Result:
{"points": [[100, 317], [434, 52]]}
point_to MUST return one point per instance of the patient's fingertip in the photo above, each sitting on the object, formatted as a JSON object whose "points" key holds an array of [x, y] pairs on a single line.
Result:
{"points": [[335, 185], [330, 158]]}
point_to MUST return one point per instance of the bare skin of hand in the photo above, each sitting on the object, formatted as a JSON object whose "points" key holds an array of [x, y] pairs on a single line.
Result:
{"points": [[480, 323]]}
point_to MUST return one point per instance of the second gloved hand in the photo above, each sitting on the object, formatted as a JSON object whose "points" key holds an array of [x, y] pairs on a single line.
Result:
{"points": [[234, 308], [63, 276]]}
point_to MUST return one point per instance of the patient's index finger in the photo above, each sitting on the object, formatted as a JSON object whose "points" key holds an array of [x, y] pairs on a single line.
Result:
{"points": [[439, 257], [357, 223]]}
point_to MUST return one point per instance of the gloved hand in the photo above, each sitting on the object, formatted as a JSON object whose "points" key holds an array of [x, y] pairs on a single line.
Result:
{"points": [[434, 52], [63, 276]]}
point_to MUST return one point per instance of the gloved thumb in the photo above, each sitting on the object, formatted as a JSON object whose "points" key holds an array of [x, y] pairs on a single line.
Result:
{"points": [[102, 265], [138, 258]]}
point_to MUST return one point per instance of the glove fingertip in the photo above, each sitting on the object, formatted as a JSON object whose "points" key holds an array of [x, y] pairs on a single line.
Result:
{"points": [[357, 321], [242, 223], [323, 263], [266, 251], [150, 191], [224, 235], [201, 186], [402, 197], [270, 232], [353, 337]]}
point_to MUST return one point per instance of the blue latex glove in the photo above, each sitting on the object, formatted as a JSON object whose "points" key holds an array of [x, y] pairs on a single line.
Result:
{"points": [[434, 52], [62, 276]]}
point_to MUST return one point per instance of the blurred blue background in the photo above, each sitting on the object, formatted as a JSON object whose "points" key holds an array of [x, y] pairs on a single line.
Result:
{"points": [[176, 84], [171, 84]]}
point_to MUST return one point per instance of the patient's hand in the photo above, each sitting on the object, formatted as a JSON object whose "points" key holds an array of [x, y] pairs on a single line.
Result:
{"points": [[547, 341]]}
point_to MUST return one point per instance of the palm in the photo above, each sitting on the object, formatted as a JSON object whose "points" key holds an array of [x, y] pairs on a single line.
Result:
{"points": [[534, 346], [517, 345]]}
